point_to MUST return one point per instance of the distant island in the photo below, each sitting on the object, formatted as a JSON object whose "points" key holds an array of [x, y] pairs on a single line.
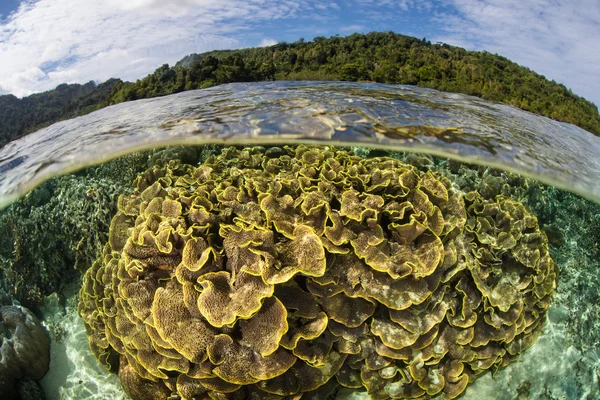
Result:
{"points": [[384, 57]]}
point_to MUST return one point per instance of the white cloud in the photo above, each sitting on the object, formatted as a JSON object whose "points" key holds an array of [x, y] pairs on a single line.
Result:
{"points": [[48, 42], [353, 28], [267, 42], [66, 75], [559, 40], [30, 75]]}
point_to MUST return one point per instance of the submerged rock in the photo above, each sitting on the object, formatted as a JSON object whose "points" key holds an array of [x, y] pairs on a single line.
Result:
{"points": [[24, 351], [30, 390]]}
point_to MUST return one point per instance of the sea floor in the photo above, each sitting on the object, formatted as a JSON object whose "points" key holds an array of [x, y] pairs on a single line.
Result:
{"points": [[74, 372]]}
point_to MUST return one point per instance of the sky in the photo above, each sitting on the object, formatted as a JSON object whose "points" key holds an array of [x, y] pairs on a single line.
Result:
{"points": [[44, 43]]}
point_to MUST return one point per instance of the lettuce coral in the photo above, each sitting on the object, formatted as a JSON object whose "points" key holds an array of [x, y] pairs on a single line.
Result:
{"points": [[292, 272]]}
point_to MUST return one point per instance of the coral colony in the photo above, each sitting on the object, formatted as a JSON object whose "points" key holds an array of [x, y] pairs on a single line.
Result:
{"points": [[292, 272], [24, 349]]}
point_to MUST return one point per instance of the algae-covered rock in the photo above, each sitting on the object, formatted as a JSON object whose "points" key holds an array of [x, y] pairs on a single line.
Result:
{"points": [[294, 272]]}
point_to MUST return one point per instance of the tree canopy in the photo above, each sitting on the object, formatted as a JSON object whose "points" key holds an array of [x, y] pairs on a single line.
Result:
{"points": [[19, 117], [384, 57]]}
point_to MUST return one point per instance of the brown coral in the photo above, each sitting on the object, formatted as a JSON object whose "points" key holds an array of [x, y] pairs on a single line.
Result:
{"points": [[24, 349], [290, 273]]}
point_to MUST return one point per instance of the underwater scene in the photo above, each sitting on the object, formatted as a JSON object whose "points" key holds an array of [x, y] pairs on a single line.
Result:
{"points": [[301, 240]]}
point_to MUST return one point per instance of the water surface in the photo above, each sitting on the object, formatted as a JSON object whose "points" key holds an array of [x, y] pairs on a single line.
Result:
{"points": [[373, 115]]}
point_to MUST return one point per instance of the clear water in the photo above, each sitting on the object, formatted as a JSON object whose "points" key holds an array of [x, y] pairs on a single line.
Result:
{"points": [[397, 117], [52, 235]]}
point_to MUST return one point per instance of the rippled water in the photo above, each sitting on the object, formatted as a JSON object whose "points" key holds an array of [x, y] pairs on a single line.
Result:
{"points": [[373, 115], [70, 214]]}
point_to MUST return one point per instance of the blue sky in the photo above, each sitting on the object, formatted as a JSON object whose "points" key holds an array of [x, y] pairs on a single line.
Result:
{"points": [[8, 6], [47, 42]]}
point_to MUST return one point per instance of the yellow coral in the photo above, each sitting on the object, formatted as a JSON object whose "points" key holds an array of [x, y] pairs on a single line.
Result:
{"points": [[291, 273]]}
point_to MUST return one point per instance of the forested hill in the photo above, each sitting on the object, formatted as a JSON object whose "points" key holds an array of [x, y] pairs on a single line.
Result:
{"points": [[381, 57], [21, 116]]}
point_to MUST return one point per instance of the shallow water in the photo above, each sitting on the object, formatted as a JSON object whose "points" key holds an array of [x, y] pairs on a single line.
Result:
{"points": [[398, 117], [52, 235]]}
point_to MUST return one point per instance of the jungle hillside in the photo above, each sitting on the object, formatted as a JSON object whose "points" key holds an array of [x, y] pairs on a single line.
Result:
{"points": [[384, 57]]}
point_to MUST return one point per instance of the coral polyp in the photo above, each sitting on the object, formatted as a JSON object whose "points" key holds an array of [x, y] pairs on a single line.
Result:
{"points": [[295, 271]]}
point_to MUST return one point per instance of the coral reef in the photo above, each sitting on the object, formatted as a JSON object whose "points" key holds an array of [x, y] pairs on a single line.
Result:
{"points": [[24, 350], [568, 347], [5, 298], [292, 272], [571, 223], [60, 227], [185, 154]]}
